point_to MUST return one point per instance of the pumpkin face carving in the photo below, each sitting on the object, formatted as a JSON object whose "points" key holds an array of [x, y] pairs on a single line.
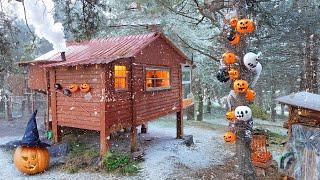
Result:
{"points": [[230, 115], [250, 95], [229, 137], [233, 22], [84, 87], [233, 74], [245, 26], [240, 86], [229, 58], [31, 160], [73, 88]]}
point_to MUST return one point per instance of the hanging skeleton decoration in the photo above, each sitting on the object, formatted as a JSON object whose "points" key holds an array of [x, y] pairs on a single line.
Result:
{"points": [[243, 113], [250, 60]]}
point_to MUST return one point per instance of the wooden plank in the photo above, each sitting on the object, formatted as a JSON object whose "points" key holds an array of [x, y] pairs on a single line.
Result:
{"points": [[179, 125], [79, 123], [78, 118], [80, 126]]}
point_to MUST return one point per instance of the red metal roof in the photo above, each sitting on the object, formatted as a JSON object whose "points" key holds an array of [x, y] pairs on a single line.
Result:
{"points": [[98, 51]]}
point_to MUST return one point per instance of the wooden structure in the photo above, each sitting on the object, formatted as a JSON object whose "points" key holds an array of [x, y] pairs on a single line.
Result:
{"points": [[304, 108], [260, 156], [133, 80]]}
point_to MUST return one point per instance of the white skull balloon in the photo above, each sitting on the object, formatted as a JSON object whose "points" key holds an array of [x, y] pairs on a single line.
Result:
{"points": [[250, 60], [243, 113]]}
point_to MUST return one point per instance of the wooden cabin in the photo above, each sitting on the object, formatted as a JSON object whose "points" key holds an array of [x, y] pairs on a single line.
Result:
{"points": [[133, 80], [304, 108]]}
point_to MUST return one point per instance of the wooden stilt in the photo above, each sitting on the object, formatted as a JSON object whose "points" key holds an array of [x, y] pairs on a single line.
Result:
{"points": [[104, 143], [104, 129], [144, 128], [133, 138], [179, 125]]}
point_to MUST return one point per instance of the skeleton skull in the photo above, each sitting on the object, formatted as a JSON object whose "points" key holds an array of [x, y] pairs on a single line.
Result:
{"points": [[243, 113]]}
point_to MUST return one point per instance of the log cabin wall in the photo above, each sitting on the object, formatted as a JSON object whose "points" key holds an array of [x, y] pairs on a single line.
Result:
{"points": [[150, 105], [37, 78], [303, 116], [81, 110], [119, 105]]}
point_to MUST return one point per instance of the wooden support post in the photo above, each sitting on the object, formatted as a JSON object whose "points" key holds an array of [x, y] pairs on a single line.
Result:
{"points": [[144, 128], [55, 128], [104, 129], [133, 138], [179, 125]]}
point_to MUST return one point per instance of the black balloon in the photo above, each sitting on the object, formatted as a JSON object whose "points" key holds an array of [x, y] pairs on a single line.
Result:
{"points": [[223, 75], [57, 86], [67, 92]]}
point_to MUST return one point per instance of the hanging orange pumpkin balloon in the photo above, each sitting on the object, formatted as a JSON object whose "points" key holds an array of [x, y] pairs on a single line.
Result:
{"points": [[229, 58], [231, 116], [250, 95], [245, 26], [233, 22], [240, 86], [229, 137], [85, 87], [73, 88], [234, 39], [233, 74], [31, 160]]}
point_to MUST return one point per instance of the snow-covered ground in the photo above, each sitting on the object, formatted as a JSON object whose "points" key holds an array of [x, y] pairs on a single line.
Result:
{"points": [[165, 156]]}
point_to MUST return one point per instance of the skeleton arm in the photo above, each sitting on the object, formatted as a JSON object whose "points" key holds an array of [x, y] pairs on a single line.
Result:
{"points": [[256, 75], [231, 95]]}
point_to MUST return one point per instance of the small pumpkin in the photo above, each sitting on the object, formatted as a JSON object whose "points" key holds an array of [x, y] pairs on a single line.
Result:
{"points": [[250, 95], [233, 74], [229, 58], [31, 160], [229, 137], [234, 38], [245, 26], [240, 86], [233, 21], [231, 116], [84, 87], [261, 157], [73, 88]]}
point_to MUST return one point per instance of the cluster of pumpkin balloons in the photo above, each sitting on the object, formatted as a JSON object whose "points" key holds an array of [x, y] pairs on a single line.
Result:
{"points": [[242, 26]]}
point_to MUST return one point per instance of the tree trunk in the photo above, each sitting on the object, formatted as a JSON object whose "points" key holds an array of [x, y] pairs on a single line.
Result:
{"points": [[8, 107], [190, 112], [209, 105], [200, 108], [282, 110]]}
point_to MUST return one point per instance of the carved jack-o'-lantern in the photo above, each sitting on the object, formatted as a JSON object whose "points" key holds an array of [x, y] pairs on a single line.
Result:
{"points": [[233, 74], [229, 58], [73, 88], [84, 87], [250, 95], [31, 160], [240, 86], [233, 21], [229, 137], [245, 26], [230, 115]]}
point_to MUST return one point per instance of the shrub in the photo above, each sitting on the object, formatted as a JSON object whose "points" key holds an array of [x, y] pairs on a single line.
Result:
{"points": [[259, 112], [121, 162]]}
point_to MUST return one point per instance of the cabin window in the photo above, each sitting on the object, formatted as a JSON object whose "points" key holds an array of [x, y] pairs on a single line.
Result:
{"points": [[157, 78], [120, 77], [186, 81]]}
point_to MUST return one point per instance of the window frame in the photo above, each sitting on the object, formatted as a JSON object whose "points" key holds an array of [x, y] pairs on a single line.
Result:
{"points": [[114, 78], [186, 68], [155, 68]]}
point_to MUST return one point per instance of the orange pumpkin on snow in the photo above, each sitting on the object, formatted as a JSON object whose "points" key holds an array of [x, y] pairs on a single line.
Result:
{"points": [[240, 86], [73, 88], [245, 26], [233, 22], [250, 95], [229, 58], [85, 87], [229, 137], [233, 74], [31, 160], [231, 116]]}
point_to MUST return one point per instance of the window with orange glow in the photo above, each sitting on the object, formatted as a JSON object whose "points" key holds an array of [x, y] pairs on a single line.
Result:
{"points": [[120, 77], [157, 79]]}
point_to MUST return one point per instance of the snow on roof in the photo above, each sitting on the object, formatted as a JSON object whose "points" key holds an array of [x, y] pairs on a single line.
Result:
{"points": [[302, 99]]}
